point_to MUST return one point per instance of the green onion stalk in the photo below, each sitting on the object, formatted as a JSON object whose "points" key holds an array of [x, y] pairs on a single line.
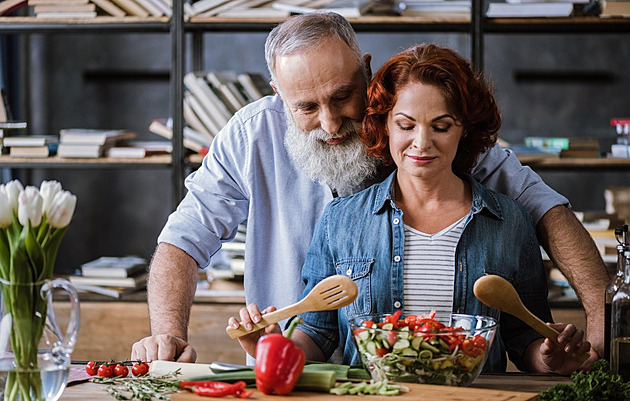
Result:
{"points": [[33, 222]]}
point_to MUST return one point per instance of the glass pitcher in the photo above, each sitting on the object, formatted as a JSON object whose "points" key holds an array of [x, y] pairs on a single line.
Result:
{"points": [[34, 352]]}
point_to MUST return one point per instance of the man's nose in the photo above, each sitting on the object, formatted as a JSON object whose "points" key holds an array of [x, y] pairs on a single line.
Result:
{"points": [[330, 120]]}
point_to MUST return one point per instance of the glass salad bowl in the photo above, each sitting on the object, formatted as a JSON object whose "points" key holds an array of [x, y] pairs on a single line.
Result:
{"points": [[421, 349]]}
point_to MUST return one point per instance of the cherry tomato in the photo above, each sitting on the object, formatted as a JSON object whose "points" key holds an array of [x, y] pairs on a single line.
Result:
{"points": [[480, 342], [367, 323], [121, 370], [106, 370], [392, 337], [140, 369], [469, 348], [382, 351], [91, 368]]}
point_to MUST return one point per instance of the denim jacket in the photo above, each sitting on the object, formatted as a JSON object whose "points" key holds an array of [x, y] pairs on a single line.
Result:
{"points": [[362, 236]]}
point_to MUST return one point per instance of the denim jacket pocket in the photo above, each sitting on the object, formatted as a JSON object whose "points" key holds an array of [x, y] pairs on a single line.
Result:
{"points": [[359, 270]]}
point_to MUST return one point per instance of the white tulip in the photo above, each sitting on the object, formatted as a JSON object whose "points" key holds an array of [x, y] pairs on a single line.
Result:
{"points": [[30, 207], [62, 209], [48, 190], [6, 215], [14, 188]]}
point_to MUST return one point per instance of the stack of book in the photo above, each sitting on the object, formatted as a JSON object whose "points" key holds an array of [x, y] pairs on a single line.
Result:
{"points": [[140, 149], [434, 8], [90, 143], [31, 145], [280, 8], [112, 276], [63, 8], [532, 8], [581, 147], [210, 100], [615, 8]]}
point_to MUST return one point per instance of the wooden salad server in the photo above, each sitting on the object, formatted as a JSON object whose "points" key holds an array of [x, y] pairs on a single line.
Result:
{"points": [[332, 292], [496, 292]]}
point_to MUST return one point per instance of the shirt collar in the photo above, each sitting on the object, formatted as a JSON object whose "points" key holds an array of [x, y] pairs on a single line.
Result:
{"points": [[482, 197]]}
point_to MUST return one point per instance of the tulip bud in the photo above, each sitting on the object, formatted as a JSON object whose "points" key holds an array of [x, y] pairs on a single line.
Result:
{"points": [[62, 209], [30, 207], [14, 188], [48, 190], [6, 215]]}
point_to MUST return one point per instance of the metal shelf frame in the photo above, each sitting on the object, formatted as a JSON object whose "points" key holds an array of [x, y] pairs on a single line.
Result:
{"points": [[477, 27]]}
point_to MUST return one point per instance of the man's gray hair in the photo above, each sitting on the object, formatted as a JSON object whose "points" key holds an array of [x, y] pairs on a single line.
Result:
{"points": [[308, 30]]}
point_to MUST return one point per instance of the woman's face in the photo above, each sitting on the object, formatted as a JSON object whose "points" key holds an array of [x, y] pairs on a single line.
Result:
{"points": [[423, 132]]}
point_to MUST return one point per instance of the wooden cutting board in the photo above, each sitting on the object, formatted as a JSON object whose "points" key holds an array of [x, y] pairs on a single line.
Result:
{"points": [[417, 392]]}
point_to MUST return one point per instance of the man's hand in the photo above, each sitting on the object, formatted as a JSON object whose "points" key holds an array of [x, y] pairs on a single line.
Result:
{"points": [[565, 358], [163, 347]]}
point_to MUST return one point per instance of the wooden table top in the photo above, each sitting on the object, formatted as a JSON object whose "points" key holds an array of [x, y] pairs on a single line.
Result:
{"points": [[509, 386]]}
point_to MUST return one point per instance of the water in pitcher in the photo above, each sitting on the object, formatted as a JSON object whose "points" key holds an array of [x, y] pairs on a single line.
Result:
{"points": [[46, 383]]}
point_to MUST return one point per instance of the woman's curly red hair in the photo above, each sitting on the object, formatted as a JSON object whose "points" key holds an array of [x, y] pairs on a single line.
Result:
{"points": [[466, 92]]}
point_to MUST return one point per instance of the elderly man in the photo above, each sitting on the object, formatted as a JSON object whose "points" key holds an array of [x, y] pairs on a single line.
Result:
{"points": [[280, 160]]}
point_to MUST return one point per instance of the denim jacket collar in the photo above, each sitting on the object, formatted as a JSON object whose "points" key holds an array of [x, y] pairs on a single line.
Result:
{"points": [[481, 197]]}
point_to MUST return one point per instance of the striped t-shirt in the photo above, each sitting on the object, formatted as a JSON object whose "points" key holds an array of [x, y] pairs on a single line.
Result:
{"points": [[429, 269]]}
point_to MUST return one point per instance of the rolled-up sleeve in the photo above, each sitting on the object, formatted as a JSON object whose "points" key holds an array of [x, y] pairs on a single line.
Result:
{"points": [[216, 201]]}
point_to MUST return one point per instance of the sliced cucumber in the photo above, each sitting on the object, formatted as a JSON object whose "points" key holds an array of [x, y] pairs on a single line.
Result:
{"points": [[371, 347], [388, 326], [415, 343], [401, 345], [410, 352], [430, 347], [364, 335]]}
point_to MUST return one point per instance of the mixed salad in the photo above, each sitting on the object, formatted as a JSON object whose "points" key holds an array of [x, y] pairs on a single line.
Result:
{"points": [[420, 349]]}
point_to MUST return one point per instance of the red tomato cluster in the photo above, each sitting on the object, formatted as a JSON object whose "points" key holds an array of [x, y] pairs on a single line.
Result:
{"points": [[427, 327], [117, 369]]}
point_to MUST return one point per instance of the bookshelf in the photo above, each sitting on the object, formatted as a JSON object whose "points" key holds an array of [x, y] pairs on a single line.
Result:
{"points": [[186, 41]]}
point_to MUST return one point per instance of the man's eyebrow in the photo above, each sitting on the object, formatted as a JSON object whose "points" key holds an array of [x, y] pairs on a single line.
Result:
{"points": [[342, 90]]}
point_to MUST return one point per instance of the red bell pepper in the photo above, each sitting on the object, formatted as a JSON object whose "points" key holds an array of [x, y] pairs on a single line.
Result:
{"points": [[279, 362]]}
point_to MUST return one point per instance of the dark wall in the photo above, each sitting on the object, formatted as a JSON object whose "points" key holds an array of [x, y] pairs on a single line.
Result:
{"points": [[546, 85]]}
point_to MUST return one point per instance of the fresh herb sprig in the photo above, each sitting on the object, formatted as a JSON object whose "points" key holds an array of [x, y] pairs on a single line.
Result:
{"points": [[599, 384], [143, 388]]}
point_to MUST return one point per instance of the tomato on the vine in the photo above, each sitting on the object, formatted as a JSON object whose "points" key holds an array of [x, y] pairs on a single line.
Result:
{"points": [[91, 368], [140, 369], [106, 370], [121, 370]]}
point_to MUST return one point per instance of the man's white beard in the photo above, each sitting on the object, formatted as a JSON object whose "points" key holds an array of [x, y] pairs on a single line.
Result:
{"points": [[342, 167]]}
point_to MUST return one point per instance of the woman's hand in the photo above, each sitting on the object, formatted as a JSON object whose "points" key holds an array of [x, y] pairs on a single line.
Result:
{"points": [[250, 315], [564, 358]]}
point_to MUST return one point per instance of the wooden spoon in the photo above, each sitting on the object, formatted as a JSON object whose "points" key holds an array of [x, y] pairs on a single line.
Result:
{"points": [[332, 292], [498, 293]]}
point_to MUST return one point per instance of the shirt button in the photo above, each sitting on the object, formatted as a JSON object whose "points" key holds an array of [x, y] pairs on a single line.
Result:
{"points": [[397, 304], [396, 220], [396, 258], [349, 272]]}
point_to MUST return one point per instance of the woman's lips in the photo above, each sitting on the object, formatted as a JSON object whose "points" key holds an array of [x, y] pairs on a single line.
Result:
{"points": [[421, 159]]}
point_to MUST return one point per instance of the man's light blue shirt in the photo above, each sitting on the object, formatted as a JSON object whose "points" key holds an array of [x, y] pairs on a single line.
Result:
{"points": [[249, 176]]}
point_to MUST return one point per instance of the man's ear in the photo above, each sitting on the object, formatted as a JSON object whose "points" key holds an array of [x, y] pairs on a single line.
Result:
{"points": [[273, 86], [367, 59]]}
